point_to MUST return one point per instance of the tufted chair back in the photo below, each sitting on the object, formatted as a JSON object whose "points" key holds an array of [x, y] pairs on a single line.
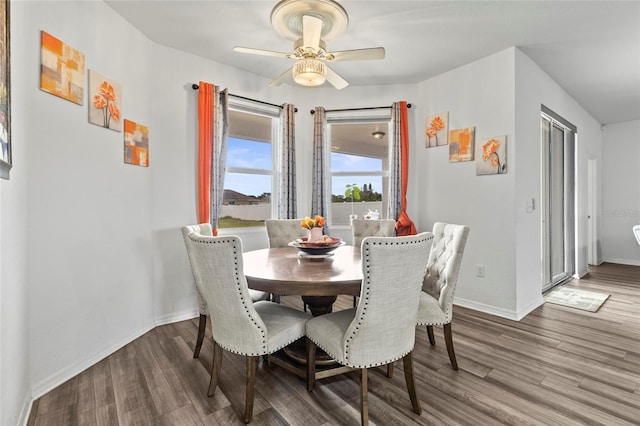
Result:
{"points": [[383, 328], [218, 270], [282, 231], [203, 229], [362, 228], [443, 267]]}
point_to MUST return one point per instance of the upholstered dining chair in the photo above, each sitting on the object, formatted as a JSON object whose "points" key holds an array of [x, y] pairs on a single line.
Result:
{"points": [[381, 329], [361, 228], [280, 233], [439, 285], [238, 325], [636, 232], [205, 229]]}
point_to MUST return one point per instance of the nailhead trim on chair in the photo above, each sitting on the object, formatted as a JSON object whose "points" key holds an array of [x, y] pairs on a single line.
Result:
{"points": [[242, 298], [366, 300]]}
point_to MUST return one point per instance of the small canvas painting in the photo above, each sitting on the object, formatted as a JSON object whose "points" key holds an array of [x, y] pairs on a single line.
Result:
{"points": [[491, 156], [436, 130], [61, 69], [461, 144], [136, 144], [105, 102]]}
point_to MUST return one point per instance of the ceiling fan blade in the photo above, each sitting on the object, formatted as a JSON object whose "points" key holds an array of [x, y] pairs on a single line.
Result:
{"points": [[337, 81], [311, 31], [262, 52], [356, 54], [281, 78]]}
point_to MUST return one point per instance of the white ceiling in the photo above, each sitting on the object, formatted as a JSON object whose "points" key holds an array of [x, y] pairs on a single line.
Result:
{"points": [[590, 48]]}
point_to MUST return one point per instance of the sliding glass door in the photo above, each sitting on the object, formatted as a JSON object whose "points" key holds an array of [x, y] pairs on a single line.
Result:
{"points": [[558, 145]]}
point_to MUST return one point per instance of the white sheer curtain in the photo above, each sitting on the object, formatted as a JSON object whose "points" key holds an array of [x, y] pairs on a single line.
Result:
{"points": [[287, 184], [319, 179], [219, 152], [394, 194]]}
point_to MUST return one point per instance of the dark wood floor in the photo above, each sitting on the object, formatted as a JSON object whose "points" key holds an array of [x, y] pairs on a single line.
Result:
{"points": [[557, 366]]}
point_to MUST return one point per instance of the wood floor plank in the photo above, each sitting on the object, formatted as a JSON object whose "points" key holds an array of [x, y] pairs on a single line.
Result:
{"points": [[557, 366]]}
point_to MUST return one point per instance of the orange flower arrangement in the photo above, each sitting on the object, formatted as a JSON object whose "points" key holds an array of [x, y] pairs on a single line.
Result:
{"points": [[316, 222], [105, 100]]}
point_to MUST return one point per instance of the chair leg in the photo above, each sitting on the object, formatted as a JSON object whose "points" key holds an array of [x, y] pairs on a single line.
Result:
{"points": [[364, 400], [311, 363], [407, 362], [275, 298], [432, 339], [390, 370], [251, 384], [202, 325], [215, 368], [448, 338], [355, 301]]}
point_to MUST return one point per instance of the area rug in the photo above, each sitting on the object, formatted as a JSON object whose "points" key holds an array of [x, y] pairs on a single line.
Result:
{"points": [[575, 298]]}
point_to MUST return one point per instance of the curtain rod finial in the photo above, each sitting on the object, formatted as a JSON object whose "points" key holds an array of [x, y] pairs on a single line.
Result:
{"points": [[195, 86]]}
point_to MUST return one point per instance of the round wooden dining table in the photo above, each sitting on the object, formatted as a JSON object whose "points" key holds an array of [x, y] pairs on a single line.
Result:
{"points": [[318, 281]]}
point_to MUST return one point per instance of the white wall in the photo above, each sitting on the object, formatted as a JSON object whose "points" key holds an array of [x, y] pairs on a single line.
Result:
{"points": [[535, 88], [479, 94], [90, 274], [15, 372], [620, 192]]}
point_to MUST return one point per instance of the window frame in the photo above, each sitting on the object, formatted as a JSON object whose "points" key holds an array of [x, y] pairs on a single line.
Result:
{"points": [[356, 116], [248, 106]]}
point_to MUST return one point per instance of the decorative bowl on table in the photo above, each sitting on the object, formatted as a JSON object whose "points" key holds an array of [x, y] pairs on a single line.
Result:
{"points": [[317, 248]]}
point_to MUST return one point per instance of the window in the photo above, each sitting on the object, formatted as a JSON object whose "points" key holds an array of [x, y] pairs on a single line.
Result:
{"points": [[250, 176], [358, 157]]}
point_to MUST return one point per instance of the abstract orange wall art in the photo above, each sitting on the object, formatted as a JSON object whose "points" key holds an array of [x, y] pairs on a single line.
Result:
{"points": [[136, 144], [461, 144], [61, 69]]}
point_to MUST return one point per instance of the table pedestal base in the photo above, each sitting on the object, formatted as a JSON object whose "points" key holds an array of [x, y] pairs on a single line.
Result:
{"points": [[297, 351], [319, 305]]}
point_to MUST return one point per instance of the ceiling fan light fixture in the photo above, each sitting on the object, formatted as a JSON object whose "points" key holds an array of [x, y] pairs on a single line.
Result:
{"points": [[378, 134], [309, 72]]}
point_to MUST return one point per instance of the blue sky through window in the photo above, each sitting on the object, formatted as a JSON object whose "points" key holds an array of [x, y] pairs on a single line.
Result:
{"points": [[249, 154]]}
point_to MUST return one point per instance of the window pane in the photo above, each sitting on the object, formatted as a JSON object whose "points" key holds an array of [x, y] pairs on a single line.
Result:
{"points": [[248, 180], [358, 157], [347, 163], [249, 154], [370, 197], [247, 200]]}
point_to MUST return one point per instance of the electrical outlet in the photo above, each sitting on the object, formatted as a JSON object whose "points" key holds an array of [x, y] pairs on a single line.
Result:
{"points": [[479, 270]]}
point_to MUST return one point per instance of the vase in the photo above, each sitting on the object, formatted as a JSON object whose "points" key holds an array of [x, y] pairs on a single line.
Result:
{"points": [[315, 234]]}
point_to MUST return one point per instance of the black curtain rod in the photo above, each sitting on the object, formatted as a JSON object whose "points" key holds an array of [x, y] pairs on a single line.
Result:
{"points": [[196, 87], [354, 109]]}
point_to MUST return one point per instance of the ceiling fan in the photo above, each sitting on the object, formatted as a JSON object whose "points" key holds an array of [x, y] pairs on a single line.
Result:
{"points": [[309, 23]]}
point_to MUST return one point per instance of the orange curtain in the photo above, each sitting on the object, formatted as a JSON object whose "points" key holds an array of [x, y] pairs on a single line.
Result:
{"points": [[404, 225], [205, 136]]}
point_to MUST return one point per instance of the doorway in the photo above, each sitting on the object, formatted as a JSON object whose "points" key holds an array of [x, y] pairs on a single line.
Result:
{"points": [[558, 138]]}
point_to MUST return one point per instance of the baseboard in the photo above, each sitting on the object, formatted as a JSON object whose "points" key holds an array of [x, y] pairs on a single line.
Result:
{"points": [[500, 312], [536, 303], [26, 410], [487, 309], [57, 379], [632, 262]]}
